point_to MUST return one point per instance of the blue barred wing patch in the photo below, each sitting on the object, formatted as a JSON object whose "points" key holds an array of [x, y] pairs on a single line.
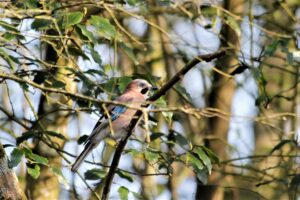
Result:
{"points": [[117, 111]]}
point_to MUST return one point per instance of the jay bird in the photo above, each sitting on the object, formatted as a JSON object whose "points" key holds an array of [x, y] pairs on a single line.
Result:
{"points": [[115, 126]]}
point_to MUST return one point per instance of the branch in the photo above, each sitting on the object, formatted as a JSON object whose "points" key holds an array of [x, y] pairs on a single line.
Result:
{"points": [[162, 91]]}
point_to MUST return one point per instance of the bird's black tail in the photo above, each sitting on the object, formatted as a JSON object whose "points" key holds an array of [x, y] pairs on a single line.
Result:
{"points": [[87, 149]]}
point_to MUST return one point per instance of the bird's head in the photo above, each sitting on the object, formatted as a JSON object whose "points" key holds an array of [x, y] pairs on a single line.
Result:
{"points": [[140, 86]]}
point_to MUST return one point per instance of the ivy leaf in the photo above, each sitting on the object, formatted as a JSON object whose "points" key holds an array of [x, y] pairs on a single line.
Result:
{"points": [[94, 174], [34, 172], [123, 193], [71, 19], [15, 157], [125, 175], [104, 27]]}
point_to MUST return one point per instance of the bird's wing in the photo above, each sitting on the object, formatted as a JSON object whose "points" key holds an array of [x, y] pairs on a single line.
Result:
{"points": [[116, 110]]}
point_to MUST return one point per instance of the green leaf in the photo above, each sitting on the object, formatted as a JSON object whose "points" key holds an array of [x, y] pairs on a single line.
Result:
{"points": [[295, 182], [71, 19], [123, 82], [9, 36], [77, 52], [8, 59], [40, 24], [137, 196], [103, 26], [34, 172], [8, 26], [31, 3], [271, 48], [58, 84], [156, 135], [208, 10], [202, 176], [94, 72], [123, 193], [38, 159], [180, 139], [213, 157], [134, 2], [205, 159], [82, 139], [196, 163], [84, 31], [34, 157], [168, 116], [26, 135], [125, 175], [132, 152], [233, 23], [95, 55], [55, 134], [182, 91], [151, 154], [129, 52], [94, 174], [15, 157]]}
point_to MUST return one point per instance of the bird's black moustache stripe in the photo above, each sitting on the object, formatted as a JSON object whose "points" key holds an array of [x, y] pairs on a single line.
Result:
{"points": [[144, 91]]}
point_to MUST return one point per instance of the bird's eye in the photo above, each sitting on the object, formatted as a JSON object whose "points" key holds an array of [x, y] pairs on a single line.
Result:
{"points": [[142, 85]]}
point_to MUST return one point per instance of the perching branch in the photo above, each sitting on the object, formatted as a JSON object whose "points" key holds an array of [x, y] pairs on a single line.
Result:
{"points": [[162, 91]]}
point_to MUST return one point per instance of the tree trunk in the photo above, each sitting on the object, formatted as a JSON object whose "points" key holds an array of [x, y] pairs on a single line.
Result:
{"points": [[47, 185], [220, 97], [9, 184]]}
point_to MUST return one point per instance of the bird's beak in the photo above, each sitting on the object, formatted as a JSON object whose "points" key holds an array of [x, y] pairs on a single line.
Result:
{"points": [[154, 88]]}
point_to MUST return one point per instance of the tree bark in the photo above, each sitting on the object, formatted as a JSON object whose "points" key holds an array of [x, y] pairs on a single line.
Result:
{"points": [[9, 184], [220, 97]]}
